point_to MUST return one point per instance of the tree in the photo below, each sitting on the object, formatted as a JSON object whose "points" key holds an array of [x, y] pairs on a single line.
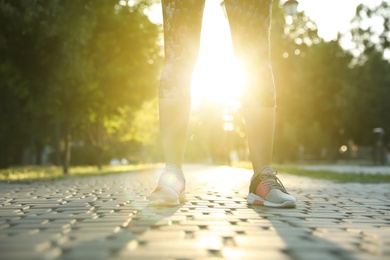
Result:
{"points": [[73, 64], [369, 98], [371, 35], [22, 43], [125, 77], [311, 76], [370, 30]]}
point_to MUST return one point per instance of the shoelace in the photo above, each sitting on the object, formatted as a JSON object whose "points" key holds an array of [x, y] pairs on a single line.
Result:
{"points": [[272, 181]]}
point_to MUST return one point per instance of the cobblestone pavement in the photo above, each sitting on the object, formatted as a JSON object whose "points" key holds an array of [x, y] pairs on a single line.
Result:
{"points": [[107, 217]]}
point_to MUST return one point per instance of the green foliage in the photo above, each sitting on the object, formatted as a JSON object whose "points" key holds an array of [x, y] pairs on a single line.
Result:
{"points": [[370, 29], [325, 97], [72, 66], [370, 90], [370, 98], [310, 77], [145, 127]]}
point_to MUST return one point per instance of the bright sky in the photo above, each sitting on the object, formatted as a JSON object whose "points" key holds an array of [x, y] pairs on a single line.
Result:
{"points": [[332, 16], [218, 77]]}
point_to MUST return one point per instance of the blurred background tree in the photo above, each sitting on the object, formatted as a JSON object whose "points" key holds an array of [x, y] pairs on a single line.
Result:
{"points": [[328, 95], [371, 78], [68, 68]]}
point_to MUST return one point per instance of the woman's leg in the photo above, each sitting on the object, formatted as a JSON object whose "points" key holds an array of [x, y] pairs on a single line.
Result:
{"points": [[182, 26], [250, 27]]}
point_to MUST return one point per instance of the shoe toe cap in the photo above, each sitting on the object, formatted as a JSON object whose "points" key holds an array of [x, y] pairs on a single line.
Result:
{"points": [[164, 194], [278, 196]]}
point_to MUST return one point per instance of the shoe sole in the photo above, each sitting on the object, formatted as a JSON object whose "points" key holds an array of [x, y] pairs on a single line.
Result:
{"points": [[253, 199], [165, 203]]}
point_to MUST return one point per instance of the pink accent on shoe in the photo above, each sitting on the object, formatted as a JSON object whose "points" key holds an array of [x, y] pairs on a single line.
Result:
{"points": [[258, 202], [262, 189]]}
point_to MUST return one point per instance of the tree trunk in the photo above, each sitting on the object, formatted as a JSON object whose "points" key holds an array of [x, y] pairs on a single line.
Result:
{"points": [[4, 163], [57, 141], [68, 147], [96, 136], [38, 153], [99, 158]]}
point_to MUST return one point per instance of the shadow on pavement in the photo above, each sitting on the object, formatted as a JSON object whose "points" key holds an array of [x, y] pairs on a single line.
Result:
{"points": [[298, 239], [125, 238]]}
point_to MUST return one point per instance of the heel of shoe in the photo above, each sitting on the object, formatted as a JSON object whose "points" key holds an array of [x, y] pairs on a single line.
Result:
{"points": [[182, 197]]}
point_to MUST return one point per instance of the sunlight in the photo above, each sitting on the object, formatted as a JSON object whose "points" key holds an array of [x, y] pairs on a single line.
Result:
{"points": [[217, 77]]}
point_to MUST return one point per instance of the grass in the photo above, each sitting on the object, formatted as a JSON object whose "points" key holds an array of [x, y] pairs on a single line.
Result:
{"points": [[47, 173], [324, 174], [34, 173]]}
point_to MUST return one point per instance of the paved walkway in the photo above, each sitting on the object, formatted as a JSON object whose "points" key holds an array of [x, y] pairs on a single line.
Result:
{"points": [[107, 218]]}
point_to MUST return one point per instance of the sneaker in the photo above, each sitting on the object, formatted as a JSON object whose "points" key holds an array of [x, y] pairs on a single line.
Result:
{"points": [[267, 190], [170, 190]]}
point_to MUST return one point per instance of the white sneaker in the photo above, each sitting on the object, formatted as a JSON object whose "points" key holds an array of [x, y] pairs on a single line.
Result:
{"points": [[170, 190], [267, 190]]}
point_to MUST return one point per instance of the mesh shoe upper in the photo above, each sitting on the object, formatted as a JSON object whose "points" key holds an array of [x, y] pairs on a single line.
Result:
{"points": [[268, 186]]}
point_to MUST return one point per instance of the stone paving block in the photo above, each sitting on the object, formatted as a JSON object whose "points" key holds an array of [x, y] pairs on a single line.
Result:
{"points": [[215, 217], [205, 223], [254, 254], [86, 252], [13, 232], [185, 245], [79, 238], [11, 255], [180, 253], [290, 232], [264, 241], [142, 229], [320, 255], [13, 207], [34, 242], [10, 213], [323, 220], [223, 234], [26, 226], [4, 224], [157, 235], [239, 229], [105, 219], [181, 227]]}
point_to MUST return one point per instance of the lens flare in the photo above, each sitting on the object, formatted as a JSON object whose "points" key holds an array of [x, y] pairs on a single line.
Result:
{"points": [[218, 76]]}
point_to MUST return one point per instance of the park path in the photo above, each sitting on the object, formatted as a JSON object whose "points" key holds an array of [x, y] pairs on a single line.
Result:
{"points": [[107, 217]]}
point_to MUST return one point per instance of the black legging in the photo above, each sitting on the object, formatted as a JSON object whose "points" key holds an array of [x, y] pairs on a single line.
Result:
{"points": [[250, 28]]}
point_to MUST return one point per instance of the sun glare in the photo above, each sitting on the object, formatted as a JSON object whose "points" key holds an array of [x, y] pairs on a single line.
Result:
{"points": [[217, 77]]}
